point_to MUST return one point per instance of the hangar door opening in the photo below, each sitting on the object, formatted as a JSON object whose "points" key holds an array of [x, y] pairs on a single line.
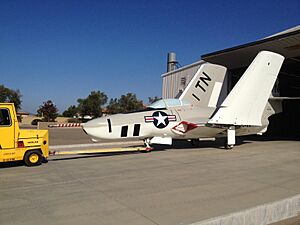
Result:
{"points": [[286, 123]]}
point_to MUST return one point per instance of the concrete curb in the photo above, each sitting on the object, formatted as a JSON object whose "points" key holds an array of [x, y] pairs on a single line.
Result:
{"points": [[259, 215]]}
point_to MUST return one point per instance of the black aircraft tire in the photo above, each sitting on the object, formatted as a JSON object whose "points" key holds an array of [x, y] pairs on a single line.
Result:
{"points": [[195, 143], [228, 147]]}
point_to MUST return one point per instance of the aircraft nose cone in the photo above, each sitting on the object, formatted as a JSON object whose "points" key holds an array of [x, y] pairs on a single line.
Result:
{"points": [[95, 128], [95, 123]]}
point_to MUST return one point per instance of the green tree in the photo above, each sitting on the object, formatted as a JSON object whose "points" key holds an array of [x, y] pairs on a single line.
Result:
{"points": [[71, 111], [114, 106], [92, 105], [153, 99], [9, 95], [125, 103], [48, 111]]}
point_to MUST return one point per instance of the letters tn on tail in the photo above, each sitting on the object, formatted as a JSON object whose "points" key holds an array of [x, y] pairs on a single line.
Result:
{"points": [[246, 102], [205, 87]]}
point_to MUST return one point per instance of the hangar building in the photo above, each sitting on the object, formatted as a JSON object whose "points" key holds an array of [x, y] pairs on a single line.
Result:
{"points": [[237, 59]]}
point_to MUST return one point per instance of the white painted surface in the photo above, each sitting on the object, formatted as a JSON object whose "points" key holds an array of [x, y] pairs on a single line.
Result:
{"points": [[215, 94], [231, 136], [246, 102], [161, 140]]}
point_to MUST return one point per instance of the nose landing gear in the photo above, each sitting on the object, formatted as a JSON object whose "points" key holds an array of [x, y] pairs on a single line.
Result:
{"points": [[147, 143]]}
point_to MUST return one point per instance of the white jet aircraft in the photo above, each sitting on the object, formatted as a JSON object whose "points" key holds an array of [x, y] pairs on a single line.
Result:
{"points": [[196, 113]]}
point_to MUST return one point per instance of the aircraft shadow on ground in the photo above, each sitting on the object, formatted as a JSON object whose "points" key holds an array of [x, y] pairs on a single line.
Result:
{"points": [[69, 157], [219, 143], [92, 155], [177, 145], [183, 144]]}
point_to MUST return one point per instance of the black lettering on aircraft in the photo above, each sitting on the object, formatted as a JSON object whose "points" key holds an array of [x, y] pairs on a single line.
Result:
{"points": [[202, 79], [109, 125], [199, 85], [195, 96]]}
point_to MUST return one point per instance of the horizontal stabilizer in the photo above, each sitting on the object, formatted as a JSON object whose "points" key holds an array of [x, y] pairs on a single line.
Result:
{"points": [[246, 102], [205, 87], [283, 98]]}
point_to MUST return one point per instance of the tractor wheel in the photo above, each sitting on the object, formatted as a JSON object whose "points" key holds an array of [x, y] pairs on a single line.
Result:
{"points": [[33, 158]]}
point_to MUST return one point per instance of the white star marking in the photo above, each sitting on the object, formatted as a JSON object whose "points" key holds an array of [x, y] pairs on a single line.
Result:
{"points": [[161, 119]]}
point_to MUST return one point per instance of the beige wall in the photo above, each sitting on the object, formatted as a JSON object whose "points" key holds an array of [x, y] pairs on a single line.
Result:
{"points": [[172, 81]]}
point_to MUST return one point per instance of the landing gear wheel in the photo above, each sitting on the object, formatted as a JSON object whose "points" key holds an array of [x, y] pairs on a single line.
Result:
{"points": [[195, 142], [147, 143], [148, 147], [228, 147], [33, 158]]}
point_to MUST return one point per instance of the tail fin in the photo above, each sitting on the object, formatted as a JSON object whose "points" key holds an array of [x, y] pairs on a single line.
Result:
{"points": [[246, 102], [205, 87]]}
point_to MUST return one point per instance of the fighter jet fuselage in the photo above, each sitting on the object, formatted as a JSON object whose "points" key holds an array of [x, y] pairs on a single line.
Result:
{"points": [[200, 112], [151, 122], [183, 121]]}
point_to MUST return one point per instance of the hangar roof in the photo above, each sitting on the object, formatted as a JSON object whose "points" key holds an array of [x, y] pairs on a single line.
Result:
{"points": [[286, 43]]}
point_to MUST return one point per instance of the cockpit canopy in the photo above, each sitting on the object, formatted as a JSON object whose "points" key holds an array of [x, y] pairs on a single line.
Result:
{"points": [[162, 104], [165, 103]]}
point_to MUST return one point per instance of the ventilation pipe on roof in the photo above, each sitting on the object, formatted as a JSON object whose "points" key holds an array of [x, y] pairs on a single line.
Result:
{"points": [[171, 61]]}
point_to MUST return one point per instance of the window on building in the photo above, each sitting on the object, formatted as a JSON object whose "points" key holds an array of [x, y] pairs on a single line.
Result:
{"points": [[183, 81]]}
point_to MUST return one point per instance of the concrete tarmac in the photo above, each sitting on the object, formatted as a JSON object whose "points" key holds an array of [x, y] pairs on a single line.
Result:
{"points": [[68, 136], [179, 185]]}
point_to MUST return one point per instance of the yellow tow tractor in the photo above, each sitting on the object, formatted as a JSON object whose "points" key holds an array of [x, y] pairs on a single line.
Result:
{"points": [[31, 146]]}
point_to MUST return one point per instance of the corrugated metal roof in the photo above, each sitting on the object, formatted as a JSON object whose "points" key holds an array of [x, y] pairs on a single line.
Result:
{"points": [[285, 31], [183, 68], [286, 43]]}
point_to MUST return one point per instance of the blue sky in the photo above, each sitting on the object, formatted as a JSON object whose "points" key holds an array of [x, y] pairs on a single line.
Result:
{"points": [[62, 50]]}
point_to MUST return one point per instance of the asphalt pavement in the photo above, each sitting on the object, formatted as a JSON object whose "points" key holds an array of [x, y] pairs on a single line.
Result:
{"points": [[68, 136], [176, 185]]}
